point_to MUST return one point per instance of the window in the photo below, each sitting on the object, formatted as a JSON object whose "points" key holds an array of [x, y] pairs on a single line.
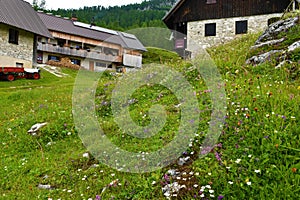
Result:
{"points": [[211, 1], [100, 64], [210, 29], [75, 61], [13, 36], [19, 64], [241, 27], [54, 58]]}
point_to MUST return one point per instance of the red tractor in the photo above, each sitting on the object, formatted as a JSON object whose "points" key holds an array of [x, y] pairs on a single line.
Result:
{"points": [[11, 73]]}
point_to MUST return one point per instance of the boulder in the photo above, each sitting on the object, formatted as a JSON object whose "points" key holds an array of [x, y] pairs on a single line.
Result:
{"points": [[274, 29]]}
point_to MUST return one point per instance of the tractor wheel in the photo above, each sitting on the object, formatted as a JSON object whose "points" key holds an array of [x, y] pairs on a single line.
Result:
{"points": [[36, 76], [10, 77]]}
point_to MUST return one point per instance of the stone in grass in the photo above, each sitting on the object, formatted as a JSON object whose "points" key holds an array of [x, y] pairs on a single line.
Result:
{"points": [[45, 187], [182, 161]]}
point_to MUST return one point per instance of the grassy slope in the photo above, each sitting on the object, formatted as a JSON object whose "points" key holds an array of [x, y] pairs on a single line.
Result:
{"points": [[262, 129]]}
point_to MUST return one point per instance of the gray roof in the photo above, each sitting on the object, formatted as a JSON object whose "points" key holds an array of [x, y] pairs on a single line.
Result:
{"points": [[65, 25], [20, 14]]}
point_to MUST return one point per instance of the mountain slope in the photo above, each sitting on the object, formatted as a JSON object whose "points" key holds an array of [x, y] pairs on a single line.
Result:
{"points": [[146, 14]]}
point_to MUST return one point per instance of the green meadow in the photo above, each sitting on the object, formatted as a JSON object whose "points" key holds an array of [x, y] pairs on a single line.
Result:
{"points": [[256, 157]]}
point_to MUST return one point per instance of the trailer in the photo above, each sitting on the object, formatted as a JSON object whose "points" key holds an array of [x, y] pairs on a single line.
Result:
{"points": [[11, 73]]}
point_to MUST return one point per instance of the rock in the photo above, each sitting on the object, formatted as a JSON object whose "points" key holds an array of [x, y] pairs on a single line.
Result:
{"points": [[294, 46], [276, 28], [36, 127], [267, 43], [282, 63], [182, 161], [262, 57], [170, 189], [46, 187]]}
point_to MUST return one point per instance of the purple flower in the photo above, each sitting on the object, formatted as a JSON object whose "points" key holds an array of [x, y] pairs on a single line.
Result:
{"points": [[219, 145], [218, 157], [166, 177], [98, 197], [220, 197]]}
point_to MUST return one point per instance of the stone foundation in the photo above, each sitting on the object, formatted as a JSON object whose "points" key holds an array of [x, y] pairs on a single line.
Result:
{"points": [[225, 29], [11, 54]]}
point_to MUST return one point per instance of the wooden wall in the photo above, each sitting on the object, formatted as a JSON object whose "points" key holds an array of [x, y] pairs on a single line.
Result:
{"points": [[196, 10]]}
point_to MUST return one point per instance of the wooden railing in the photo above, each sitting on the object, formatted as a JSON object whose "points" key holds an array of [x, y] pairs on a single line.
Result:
{"points": [[82, 53]]}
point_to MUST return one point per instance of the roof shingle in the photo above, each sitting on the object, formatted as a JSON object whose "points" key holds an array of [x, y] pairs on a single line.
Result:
{"points": [[20, 14], [63, 25]]}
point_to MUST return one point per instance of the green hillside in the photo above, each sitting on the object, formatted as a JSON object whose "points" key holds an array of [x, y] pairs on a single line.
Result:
{"points": [[256, 156], [145, 14]]}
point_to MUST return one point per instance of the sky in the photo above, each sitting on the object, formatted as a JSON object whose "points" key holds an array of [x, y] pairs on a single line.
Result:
{"points": [[68, 4]]}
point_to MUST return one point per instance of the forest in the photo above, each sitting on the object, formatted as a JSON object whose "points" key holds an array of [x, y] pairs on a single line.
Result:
{"points": [[149, 13]]}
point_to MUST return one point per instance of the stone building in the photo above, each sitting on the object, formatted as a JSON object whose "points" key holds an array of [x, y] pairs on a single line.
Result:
{"points": [[19, 28], [213, 22]]}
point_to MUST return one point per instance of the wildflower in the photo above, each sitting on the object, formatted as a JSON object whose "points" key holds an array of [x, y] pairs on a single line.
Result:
{"points": [[211, 191], [292, 117], [238, 161], [257, 171], [220, 197], [249, 156], [294, 170], [230, 182], [202, 195], [248, 183], [85, 155], [153, 182], [211, 195], [98, 197], [218, 157], [208, 186]]}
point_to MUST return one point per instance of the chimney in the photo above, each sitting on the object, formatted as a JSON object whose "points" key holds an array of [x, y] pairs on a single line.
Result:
{"points": [[74, 17]]}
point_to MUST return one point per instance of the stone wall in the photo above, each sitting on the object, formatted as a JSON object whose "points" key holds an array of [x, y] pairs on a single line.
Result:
{"points": [[225, 29], [10, 54]]}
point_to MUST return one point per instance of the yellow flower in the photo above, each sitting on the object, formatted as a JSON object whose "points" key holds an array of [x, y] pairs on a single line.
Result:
{"points": [[298, 87]]}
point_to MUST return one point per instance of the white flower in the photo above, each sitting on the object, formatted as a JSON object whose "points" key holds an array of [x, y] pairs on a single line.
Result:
{"points": [[211, 195], [195, 186], [238, 161], [209, 174], [257, 171], [85, 155], [230, 182], [248, 183], [292, 117], [69, 191], [249, 156], [211, 191], [208, 186], [153, 182], [202, 195]]}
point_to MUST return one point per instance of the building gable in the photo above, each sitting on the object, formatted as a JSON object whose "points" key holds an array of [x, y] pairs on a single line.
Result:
{"points": [[196, 10]]}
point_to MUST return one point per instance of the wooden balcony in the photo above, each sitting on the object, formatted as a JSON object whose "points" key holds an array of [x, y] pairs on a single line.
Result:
{"points": [[82, 53]]}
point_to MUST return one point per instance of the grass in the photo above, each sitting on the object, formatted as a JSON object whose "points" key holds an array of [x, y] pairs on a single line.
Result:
{"points": [[257, 156]]}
